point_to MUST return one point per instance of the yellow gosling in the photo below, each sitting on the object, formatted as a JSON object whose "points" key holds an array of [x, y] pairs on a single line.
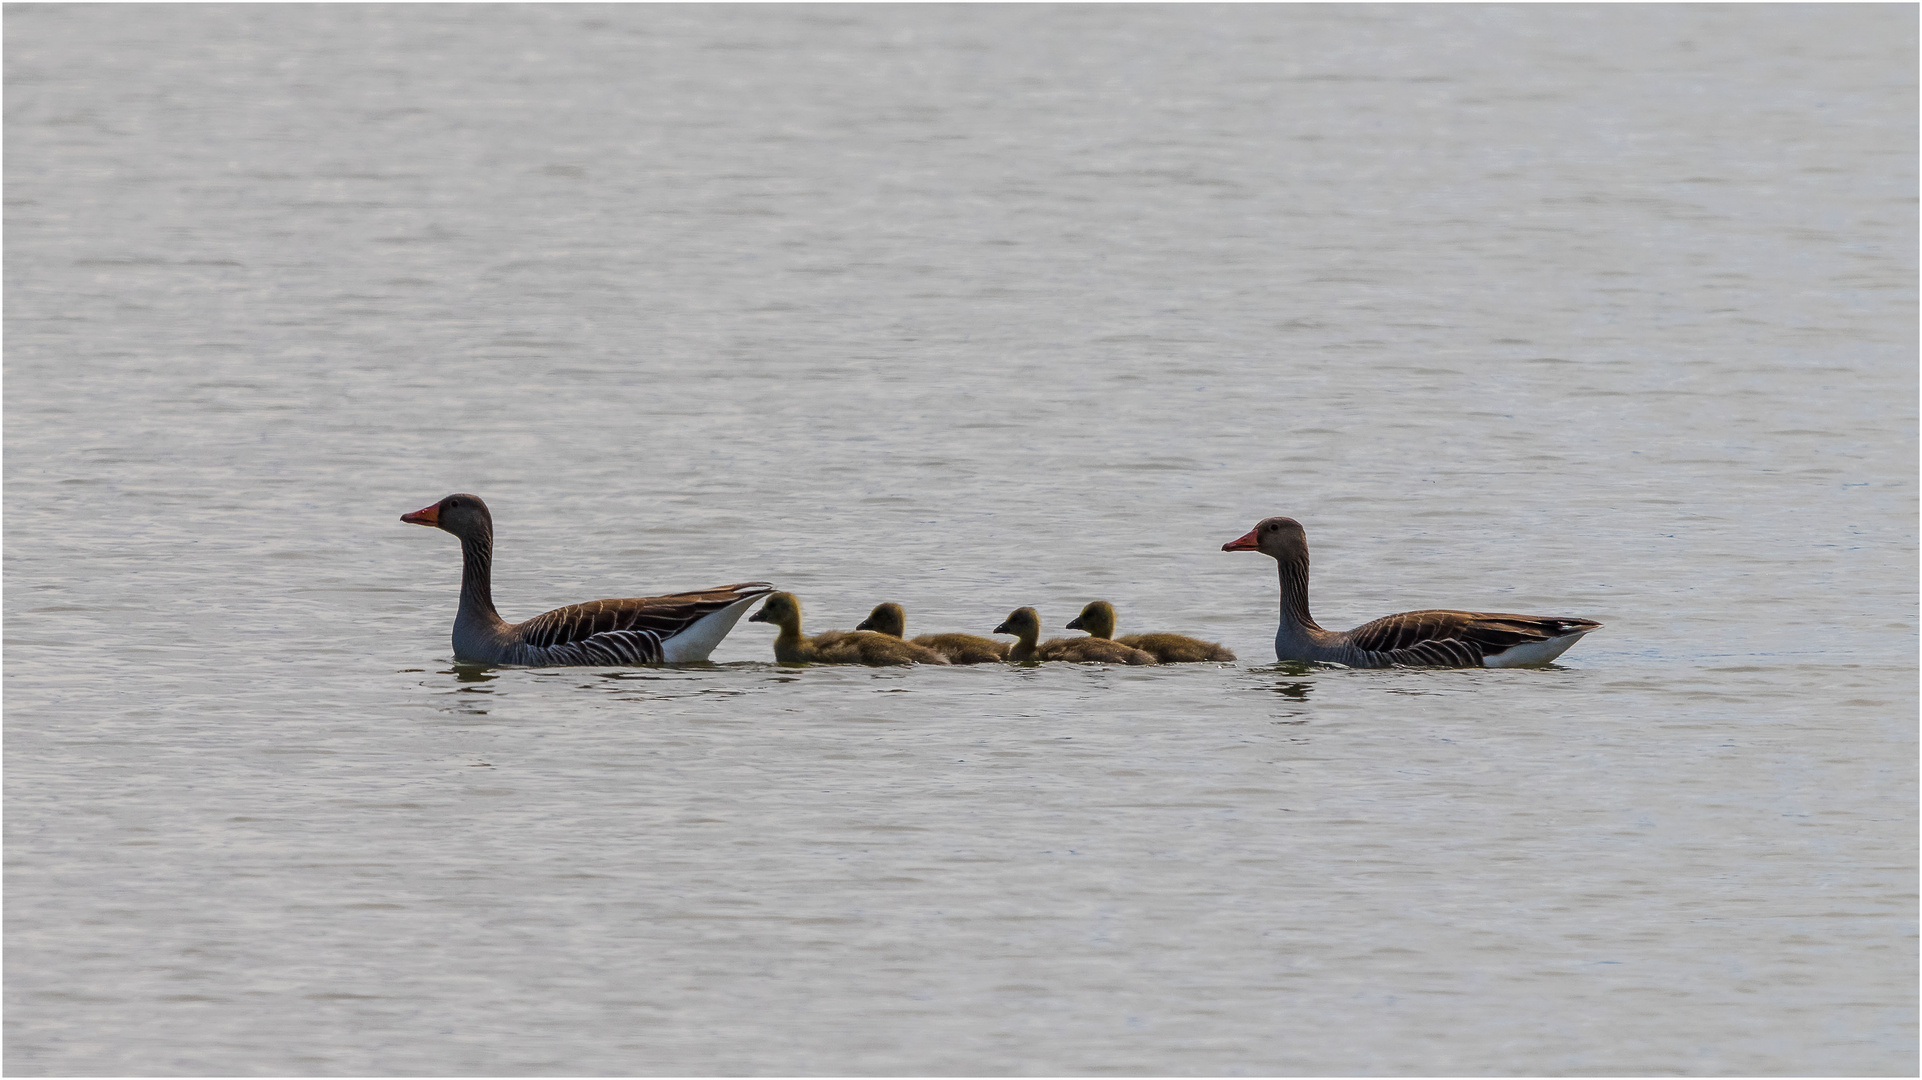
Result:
{"points": [[835, 646], [1026, 625], [889, 619], [1098, 620]]}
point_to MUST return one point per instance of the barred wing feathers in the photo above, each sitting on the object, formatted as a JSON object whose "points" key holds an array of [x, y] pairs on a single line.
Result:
{"points": [[1458, 638], [627, 631]]}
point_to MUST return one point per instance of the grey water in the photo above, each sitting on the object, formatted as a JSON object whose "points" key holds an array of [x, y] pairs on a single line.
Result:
{"points": [[1605, 311]]}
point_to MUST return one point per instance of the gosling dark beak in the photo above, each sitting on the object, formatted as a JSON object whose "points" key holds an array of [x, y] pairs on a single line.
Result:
{"points": [[1002, 629], [1076, 624]]}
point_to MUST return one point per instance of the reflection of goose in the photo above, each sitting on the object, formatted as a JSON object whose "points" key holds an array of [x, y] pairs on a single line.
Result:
{"points": [[676, 629], [834, 646], [1026, 624], [957, 648], [1413, 638], [1098, 620]]}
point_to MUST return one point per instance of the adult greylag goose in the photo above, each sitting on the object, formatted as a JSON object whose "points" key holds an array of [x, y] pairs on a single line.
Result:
{"points": [[834, 646], [1098, 620], [1025, 624], [1413, 638], [889, 619], [676, 629]]}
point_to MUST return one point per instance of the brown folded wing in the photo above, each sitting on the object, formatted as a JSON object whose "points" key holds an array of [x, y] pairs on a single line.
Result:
{"points": [[1455, 638], [627, 631]]}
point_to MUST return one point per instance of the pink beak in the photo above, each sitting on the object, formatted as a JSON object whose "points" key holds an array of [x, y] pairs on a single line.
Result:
{"points": [[1246, 543]]}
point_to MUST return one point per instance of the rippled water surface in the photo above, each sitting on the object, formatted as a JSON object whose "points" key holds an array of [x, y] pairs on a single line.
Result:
{"points": [[1604, 311]]}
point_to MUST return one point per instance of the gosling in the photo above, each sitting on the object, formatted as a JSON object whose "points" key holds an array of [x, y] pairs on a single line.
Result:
{"points": [[889, 619], [835, 646], [1026, 625], [1098, 620]]}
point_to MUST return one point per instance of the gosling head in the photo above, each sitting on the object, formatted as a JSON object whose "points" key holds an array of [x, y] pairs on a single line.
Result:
{"points": [[886, 619], [1278, 537], [781, 609], [1097, 619], [1021, 622]]}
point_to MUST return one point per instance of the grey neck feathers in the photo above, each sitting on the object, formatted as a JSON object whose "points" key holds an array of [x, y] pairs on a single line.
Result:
{"points": [[476, 574], [1294, 596]]}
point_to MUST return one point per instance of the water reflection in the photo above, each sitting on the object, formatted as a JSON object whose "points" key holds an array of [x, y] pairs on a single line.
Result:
{"points": [[471, 673], [1295, 693]]}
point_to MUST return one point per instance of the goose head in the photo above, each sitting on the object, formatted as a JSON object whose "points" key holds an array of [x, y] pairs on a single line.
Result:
{"points": [[1281, 538], [886, 619], [1097, 619], [463, 515]]}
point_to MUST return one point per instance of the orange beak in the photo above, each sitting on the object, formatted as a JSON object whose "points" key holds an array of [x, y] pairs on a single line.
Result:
{"points": [[1246, 543], [427, 515]]}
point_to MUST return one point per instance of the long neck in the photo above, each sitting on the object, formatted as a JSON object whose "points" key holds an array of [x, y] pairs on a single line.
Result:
{"points": [[476, 579], [1294, 595]]}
